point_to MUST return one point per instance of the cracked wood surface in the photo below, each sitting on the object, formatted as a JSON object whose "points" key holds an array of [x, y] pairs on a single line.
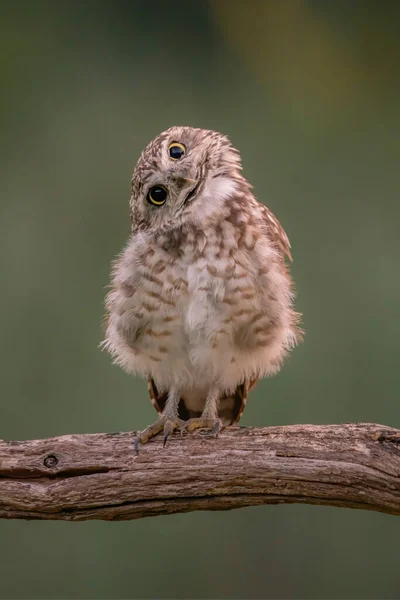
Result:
{"points": [[98, 476]]}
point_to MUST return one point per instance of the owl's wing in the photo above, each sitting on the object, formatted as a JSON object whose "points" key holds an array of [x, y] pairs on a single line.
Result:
{"points": [[278, 236], [277, 233], [123, 317]]}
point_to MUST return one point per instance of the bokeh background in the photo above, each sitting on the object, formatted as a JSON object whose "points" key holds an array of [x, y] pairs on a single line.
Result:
{"points": [[309, 91]]}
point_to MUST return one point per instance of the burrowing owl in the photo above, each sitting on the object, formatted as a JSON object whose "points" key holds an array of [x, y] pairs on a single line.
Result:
{"points": [[201, 300]]}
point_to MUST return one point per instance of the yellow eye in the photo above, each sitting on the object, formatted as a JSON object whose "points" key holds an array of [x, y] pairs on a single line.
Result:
{"points": [[157, 195], [177, 150]]}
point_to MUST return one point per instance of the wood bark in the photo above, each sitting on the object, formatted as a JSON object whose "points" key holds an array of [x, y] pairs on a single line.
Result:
{"points": [[99, 476]]}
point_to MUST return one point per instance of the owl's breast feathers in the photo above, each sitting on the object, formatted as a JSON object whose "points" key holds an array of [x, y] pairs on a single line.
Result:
{"points": [[197, 304]]}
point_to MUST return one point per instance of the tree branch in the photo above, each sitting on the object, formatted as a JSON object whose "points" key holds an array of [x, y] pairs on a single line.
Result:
{"points": [[78, 477]]}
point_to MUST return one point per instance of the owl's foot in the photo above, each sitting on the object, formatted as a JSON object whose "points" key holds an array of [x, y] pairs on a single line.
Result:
{"points": [[165, 424], [213, 423]]}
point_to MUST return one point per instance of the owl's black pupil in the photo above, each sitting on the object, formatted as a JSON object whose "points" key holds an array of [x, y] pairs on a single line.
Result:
{"points": [[176, 152], [158, 193]]}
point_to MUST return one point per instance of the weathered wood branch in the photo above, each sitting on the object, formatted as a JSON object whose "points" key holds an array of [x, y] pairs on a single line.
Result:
{"points": [[77, 477]]}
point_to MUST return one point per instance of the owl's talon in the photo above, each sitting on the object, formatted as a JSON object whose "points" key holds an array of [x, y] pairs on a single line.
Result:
{"points": [[164, 424], [214, 423], [169, 427]]}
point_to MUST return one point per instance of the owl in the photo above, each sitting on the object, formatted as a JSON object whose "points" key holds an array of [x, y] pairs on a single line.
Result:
{"points": [[201, 298]]}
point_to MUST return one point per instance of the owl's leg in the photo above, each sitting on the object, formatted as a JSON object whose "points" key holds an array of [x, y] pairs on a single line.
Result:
{"points": [[209, 418], [167, 422]]}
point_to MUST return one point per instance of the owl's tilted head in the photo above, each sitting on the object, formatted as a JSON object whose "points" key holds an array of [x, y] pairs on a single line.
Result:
{"points": [[183, 174]]}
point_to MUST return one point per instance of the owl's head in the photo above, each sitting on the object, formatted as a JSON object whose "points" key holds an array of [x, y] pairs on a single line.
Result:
{"points": [[183, 174]]}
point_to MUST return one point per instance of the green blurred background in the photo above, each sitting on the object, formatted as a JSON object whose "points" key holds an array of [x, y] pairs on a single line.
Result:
{"points": [[309, 92]]}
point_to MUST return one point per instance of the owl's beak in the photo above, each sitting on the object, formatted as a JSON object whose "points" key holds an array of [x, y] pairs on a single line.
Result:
{"points": [[184, 181]]}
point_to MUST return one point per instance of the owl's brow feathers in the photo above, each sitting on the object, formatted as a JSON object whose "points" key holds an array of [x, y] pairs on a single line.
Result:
{"points": [[149, 159]]}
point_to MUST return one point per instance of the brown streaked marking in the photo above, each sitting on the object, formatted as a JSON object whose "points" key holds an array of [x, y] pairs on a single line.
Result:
{"points": [[170, 318], [239, 288], [155, 358], [230, 301], [178, 282], [241, 312], [221, 250], [149, 307], [215, 344], [264, 342], [163, 349], [153, 333], [127, 289], [220, 239], [137, 314], [205, 288], [152, 278], [228, 276], [275, 361], [159, 267], [222, 332], [249, 294], [233, 359], [157, 296], [212, 270], [240, 275], [256, 318], [264, 329]]}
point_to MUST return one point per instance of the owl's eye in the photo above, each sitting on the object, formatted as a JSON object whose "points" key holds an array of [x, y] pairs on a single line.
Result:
{"points": [[177, 150], [157, 195]]}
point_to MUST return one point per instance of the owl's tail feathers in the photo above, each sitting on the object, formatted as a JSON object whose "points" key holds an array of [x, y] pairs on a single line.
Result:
{"points": [[231, 406]]}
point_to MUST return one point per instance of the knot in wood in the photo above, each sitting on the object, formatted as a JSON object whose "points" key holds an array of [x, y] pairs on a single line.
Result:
{"points": [[50, 461]]}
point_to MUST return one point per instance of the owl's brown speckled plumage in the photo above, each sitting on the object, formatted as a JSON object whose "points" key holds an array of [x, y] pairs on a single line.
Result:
{"points": [[201, 301]]}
